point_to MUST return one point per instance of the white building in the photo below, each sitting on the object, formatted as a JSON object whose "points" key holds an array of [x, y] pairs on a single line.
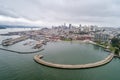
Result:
{"points": [[104, 37]]}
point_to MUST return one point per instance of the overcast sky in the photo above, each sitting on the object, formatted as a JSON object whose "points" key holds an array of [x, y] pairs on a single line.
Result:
{"points": [[55, 12]]}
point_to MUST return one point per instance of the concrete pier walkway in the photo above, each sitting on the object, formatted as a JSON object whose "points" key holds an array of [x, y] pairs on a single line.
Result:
{"points": [[20, 52], [8, 42], [38, 59]]}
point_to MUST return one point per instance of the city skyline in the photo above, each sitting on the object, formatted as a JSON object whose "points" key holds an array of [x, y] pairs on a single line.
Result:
{"points": [[55, 12]]}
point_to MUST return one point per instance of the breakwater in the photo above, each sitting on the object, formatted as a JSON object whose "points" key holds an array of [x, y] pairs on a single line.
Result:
{"points": [[38, 59], [22, 52]]}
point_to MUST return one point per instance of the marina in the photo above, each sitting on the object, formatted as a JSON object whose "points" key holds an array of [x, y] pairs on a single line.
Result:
{"points": [[84, 60], [59, 40]]}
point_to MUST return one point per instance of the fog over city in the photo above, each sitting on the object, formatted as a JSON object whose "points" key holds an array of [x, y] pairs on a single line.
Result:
{"points": [[104, 13]]}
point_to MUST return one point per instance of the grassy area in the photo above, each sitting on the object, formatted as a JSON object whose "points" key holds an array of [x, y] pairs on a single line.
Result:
{"points": [[112, 49], [67, 39], [100, 44], [105, 44]]}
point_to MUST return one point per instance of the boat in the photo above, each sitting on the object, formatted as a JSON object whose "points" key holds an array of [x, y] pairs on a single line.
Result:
{"points": [[38, 45]]}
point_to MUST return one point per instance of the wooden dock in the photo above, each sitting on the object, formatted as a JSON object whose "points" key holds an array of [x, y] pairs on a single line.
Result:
{"points": [[38, 59]]}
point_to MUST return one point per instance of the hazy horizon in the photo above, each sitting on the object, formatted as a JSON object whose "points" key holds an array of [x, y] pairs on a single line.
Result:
{"points": [[104, 13]]}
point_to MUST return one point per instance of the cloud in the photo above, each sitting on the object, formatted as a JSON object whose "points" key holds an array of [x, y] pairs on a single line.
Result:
{"points": [[19, 20], [8, 12], [48, 12]]}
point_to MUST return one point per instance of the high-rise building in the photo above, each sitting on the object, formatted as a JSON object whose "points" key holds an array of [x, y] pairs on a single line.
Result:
{"points": [[70, 26], [64, 24], [104, 37]]}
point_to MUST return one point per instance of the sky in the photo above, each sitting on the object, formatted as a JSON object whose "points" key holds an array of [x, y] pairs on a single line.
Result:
{"points": [[105, 13]]}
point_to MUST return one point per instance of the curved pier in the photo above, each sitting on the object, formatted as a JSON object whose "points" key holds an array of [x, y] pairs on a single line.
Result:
{"points": [[38, 59], [22, 52]]}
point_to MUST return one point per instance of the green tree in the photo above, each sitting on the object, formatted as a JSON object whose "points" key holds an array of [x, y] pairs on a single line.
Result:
{"points": [[115, 42], [116, 51]]}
